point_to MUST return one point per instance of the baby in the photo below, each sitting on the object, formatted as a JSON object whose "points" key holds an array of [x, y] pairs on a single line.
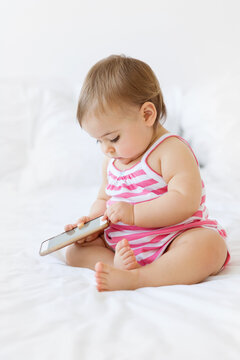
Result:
{"points": [[151, 191]]}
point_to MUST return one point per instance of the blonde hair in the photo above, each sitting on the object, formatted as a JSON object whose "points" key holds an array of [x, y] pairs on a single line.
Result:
{"points": [[120, 78]]}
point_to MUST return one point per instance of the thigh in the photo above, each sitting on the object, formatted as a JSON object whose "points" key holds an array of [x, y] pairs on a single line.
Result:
{"points": [[88, 254], [99, 241], [207, 242]]}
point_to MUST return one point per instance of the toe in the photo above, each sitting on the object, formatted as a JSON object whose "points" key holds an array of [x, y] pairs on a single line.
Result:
{"points": [[120, 245], [124, 250], [101, 283], [132, 265], [100, 267], [127, 261], [125, 242], [100, 276], [128, 254], [102, 288]]}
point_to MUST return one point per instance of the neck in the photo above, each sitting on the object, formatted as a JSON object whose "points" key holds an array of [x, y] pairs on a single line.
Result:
{"points": [[157, 133]]}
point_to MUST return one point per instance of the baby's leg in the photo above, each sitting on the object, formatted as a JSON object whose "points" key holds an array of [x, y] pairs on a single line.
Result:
{"points": [[86, 255], [191, 258]]}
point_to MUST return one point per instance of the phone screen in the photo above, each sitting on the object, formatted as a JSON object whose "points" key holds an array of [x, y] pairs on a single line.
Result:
{"points": [[69, 237]]}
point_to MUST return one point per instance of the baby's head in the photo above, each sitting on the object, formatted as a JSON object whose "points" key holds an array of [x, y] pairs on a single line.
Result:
{"points": [[116, 80], [121, 97]]}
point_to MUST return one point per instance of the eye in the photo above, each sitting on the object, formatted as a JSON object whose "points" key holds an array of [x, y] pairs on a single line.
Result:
{"points": [[116, 139]]}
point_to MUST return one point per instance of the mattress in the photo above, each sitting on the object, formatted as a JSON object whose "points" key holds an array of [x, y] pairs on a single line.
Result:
{"points": [[51, 310]]}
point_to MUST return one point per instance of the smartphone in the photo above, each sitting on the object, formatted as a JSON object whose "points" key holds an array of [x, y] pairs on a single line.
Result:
{"points": [[69, 237]]}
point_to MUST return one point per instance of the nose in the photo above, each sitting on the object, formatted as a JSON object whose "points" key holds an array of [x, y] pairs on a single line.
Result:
{"points": [[108, 149]]}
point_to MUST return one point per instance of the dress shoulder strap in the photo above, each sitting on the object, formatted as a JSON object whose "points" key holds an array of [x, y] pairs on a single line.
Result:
{"points": [[160, 140]]}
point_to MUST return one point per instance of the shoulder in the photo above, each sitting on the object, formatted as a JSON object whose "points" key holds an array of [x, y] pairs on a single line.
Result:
{"points": [[175, 145], [178, 158], [172, 152]]}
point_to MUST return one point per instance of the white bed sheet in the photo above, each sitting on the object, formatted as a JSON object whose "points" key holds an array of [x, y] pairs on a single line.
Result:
{"points": [[50, 310]]}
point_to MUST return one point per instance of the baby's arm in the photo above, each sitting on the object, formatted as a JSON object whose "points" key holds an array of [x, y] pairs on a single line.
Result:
{"points": [[180, 171], [99, 206]]}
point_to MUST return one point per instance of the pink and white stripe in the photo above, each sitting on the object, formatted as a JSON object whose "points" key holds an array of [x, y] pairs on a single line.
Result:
{"points": [[141, 183]]}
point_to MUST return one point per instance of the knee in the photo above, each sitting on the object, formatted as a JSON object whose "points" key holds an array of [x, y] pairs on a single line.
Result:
{"points": [[217, 245], [217, 252]]}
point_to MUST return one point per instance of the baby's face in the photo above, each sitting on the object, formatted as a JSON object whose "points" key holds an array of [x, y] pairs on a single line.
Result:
{"points": [[121, 132]]}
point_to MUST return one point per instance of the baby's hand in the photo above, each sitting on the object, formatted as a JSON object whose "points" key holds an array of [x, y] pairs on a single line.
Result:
{"points": [[120, 211], [80, 223]]}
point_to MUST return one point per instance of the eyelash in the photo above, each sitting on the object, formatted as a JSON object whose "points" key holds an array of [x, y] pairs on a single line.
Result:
{"points": [[113, 140], [116, 139]]}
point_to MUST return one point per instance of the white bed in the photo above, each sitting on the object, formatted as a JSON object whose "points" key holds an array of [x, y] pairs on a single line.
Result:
{"points": [[50, 310]]}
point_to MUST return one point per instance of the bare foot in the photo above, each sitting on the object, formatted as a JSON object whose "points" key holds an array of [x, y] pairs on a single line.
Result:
{"points": [[109, 278], [124, 256]]}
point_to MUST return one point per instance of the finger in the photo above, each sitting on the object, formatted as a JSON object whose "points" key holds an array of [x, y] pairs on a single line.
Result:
{"points": [[90, 238], [114, 219], [83, 219], [69, 227], [80, 241], [105, 217]]}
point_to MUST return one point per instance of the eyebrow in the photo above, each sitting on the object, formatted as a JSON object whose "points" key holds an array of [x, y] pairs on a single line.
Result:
{"points": [[108, 133]]}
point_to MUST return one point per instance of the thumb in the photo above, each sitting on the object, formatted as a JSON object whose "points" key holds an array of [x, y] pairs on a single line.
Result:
{"points": [[105, 217]]}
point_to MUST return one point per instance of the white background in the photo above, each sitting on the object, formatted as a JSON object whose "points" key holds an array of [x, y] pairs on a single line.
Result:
{"points": [[43, 153], [184, 41]]}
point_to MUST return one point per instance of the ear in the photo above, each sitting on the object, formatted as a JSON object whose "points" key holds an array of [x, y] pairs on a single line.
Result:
{"points": [[149, 113]]}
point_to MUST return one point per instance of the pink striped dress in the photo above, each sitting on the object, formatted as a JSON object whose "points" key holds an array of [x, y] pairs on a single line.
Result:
{"points": [[141, 183]]}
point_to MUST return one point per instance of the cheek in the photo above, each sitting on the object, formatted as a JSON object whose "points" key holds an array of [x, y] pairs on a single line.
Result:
{"points": [[130, 147], [125, 150]]}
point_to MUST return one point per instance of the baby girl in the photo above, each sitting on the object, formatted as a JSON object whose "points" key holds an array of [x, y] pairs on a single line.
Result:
{"points": [[152, 193]]}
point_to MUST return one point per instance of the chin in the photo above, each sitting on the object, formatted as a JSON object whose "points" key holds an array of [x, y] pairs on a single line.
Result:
{"points": [[124, 161]]}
